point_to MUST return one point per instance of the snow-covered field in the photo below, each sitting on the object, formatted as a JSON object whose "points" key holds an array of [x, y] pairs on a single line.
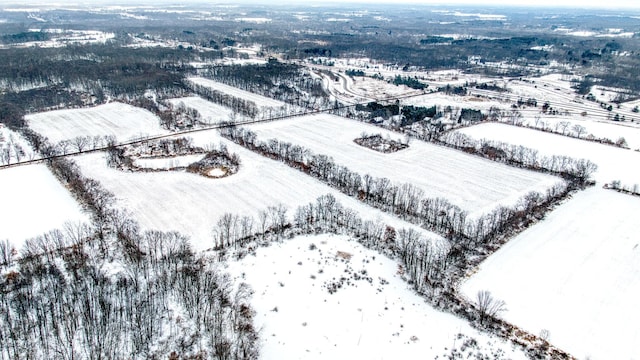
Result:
{"points": [[191, 204], [211, 113], [376, 316], [259, 100], [117, 119], [575, 274], [168, 162], [34, 202], [556, 89], [599, 129], [357, 89], [613, 163], [443, 100], [476, 185]]}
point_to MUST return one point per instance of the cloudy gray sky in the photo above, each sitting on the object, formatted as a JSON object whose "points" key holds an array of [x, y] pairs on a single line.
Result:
{"points": [[565, 3], [607, 4]]}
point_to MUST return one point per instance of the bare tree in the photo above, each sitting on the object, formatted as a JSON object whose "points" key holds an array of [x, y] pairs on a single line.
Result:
{"points": [[578, 130], [562, 125], [515, 117], [7, 252], [536, 121], [81, 142], [488, 306]]}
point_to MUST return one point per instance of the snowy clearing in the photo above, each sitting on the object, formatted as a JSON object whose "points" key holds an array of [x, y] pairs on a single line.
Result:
{"points": [[575, 274], [475, 185], [376, 316], [210, 113], [443, 100], [355, 89], [613, 163], [191, 204], [34, 202], [259, 100], [167, 162], [117, 119]]}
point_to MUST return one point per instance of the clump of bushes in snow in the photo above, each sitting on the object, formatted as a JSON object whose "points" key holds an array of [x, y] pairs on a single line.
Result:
{"points": [[216, 161], [381, 144]]}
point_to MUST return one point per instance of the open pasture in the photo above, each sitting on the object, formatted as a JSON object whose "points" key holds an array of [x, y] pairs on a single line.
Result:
{"points": [[211, 113], [113, 119], [475, 185], [373, 314], [34, 202], [574, 274], [191, 204], [613, 163]]}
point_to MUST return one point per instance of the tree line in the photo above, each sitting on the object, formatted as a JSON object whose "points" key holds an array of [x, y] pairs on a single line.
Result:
{"points": [[290, 83], [403, 200], [578, 171]]}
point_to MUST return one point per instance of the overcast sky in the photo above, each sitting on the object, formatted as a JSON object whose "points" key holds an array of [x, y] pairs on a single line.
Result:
{"points": [[565, 3], [607, 4]]}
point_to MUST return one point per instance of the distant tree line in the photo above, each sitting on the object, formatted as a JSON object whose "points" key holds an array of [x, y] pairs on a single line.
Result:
{"points": [[39, 79], [25, 36], [292, 84], [245, 107], [352, 72], [409, 82]]}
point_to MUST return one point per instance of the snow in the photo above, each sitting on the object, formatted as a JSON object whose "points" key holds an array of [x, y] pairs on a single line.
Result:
{"points": [[256, 20], [475, 185], [358, 89], [378, 319], [227, 61], [34, 202], [599, 129], [191, 204], [455, 101], [217, 172], [120, 120], [9, 142], [575, 274], [210, 112], [64, 37], [167, 162], [259, 100], [613, 163], [607, 94]]}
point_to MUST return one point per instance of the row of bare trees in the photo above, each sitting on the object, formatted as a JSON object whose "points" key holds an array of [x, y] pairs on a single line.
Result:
{"points": [[563, 127], [403, 200], [247, 108], [578, 170], [425, 260], [12, 152]]}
